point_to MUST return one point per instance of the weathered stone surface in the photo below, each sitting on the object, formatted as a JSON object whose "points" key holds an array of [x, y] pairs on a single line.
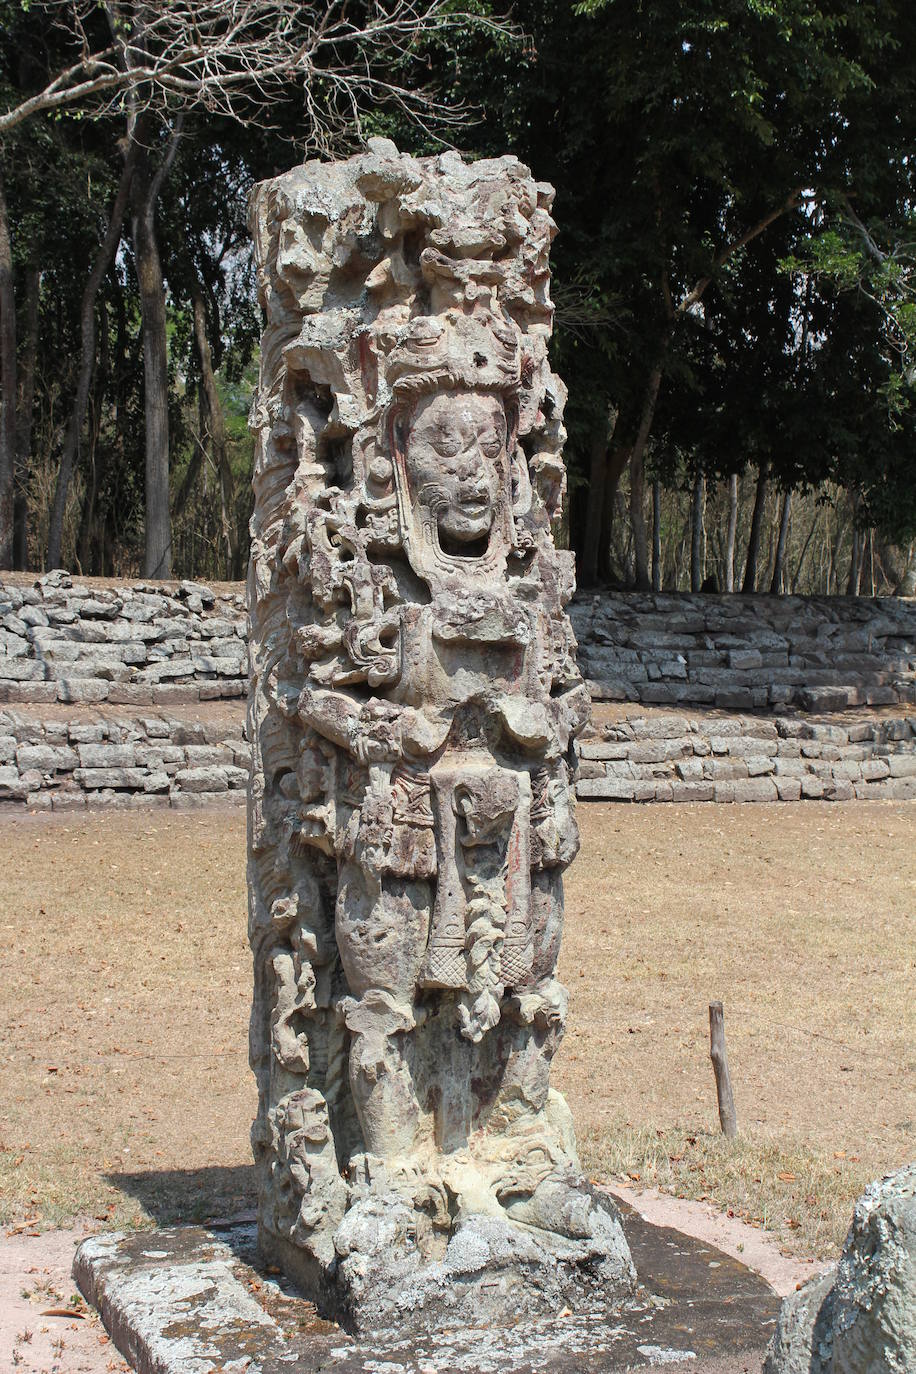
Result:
{"points": [[693, 791], [32, 693], [178, 1302], [819, 653], [82, 689], [202, 779], [45, 757], [859, 1318], [12, 787], [411, 805], [93, 778], [746, 790], [106, 755], [132, 640]]}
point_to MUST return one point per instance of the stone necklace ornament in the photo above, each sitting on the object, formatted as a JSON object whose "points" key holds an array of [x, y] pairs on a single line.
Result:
{"points": [[413, 712]]}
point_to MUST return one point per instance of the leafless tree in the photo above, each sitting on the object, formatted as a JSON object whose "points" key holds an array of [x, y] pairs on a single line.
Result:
{"points": [[234, 57]]}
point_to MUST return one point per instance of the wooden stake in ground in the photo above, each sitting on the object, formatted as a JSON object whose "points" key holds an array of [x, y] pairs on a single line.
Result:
{"points": [[717, 1052]]}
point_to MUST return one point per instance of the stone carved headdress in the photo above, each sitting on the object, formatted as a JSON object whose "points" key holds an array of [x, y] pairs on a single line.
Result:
{"points": [[386, 279]]}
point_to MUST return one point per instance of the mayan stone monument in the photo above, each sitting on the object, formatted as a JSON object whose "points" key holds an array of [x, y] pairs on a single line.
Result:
{"points": [[413, 711]]}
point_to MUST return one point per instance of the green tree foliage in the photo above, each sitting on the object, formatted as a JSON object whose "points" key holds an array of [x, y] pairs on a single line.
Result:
{"points": [[733, 273], [694, 148]]}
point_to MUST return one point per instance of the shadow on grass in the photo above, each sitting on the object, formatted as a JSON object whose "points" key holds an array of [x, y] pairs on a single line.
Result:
{"points": [[190, 1195]]}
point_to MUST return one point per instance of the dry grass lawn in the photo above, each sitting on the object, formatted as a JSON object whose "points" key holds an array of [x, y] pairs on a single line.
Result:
{"points": [[126, 985]]}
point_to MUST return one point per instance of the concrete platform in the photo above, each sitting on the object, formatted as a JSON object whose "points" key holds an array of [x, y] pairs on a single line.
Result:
{"points": [[194, 1301]]}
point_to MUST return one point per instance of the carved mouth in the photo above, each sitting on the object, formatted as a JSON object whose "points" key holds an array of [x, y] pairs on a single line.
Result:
{"points": [[463, 548]]}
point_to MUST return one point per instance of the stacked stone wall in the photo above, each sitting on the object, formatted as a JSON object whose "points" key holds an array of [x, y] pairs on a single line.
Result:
{"points": [[125, 694], [748, 653], [136, 644], [118, 759], [734, 758]]}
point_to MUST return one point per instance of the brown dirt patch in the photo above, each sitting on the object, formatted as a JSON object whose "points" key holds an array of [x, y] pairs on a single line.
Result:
{"points": [[45, 1326], [126, 1003]]}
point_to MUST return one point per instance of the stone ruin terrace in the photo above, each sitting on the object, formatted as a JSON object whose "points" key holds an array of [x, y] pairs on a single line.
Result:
{"points": [[133, 694]]}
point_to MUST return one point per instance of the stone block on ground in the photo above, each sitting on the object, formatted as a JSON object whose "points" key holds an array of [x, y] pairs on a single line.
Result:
{"points": [[118, 778], [212, 779], [746, 790], [92, 755], [859, 1318], [606, 789], [12, 786], [46, 758], [82, 690]]}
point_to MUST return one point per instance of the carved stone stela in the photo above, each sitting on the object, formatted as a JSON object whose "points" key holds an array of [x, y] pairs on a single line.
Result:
{"points": [[413, 709]]}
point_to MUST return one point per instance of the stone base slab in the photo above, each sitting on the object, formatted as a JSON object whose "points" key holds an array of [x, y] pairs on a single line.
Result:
{"points": [[193, 1301]]}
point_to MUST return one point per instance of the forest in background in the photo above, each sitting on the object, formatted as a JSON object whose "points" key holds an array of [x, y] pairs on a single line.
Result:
{"points": [[735, 273]]}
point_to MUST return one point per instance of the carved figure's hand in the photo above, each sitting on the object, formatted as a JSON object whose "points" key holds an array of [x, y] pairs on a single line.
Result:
{"points": [[377, 734], [422, 734], [382, 746]]}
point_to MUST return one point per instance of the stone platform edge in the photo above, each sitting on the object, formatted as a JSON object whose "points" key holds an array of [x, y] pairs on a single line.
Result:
{"points": [[734, 758], [95, 758], [189, 1297], [132, 644], [190, 757]]}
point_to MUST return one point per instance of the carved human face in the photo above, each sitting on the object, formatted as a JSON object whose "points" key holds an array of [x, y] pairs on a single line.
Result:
{"points": [[456, 463]]}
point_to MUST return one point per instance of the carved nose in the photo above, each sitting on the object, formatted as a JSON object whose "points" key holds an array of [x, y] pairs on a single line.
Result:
{"points": [[472, 474]]}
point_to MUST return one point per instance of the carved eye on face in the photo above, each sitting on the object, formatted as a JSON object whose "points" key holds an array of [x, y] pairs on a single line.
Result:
{"points": [[491, 443], [448, 441]]}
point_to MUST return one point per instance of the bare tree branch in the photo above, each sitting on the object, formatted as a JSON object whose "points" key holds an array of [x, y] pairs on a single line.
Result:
{"points": [[235, 57], [792, 202]]}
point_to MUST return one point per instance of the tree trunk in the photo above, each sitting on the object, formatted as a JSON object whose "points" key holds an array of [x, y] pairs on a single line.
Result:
{"points": [[100, 266], [732, 532], [856, 559], [801, 560], [85, 540], [833, 573], [24, 405], [594, 518], [776, 583], [638, 522], [656, 536], [618, 457], [157, 561], [637, 481], [753, 546], [907, 583], [7, 388], [697, 509], [216, 431]]}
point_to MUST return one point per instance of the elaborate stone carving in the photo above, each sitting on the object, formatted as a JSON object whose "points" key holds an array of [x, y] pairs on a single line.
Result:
{"points": [[414, 707]]}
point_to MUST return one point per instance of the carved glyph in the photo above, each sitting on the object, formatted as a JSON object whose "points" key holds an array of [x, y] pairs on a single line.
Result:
{"points": [[414, 707]]}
